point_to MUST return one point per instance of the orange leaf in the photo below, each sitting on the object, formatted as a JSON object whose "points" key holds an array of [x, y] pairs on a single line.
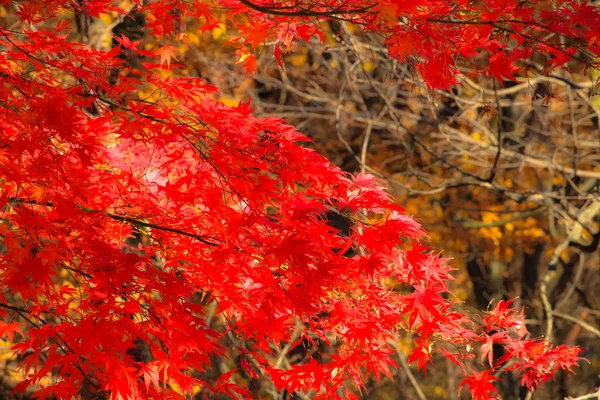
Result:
{"points": [[166, 53], [247, 59]]}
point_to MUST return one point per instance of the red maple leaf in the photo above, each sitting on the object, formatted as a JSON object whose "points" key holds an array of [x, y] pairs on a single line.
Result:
{"points": [[166, 53], [480, 385]]}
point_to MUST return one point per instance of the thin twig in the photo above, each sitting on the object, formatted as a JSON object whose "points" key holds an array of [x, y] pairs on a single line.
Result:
{"points": [[305, 13], [589, 396], [409, 374], [504, 221], [573, 286], [579, 322], [131, 220]]}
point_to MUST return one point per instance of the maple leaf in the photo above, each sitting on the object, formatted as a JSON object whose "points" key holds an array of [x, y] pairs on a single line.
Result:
{"points": [[150, 374], [487, 349], [439, 72], [126, 43], [503, 316], [166, 53], [501, 67], [277, 53], [401, 48], [424, 302], [256, 35], [247, 59], [421, 354], [481, 385], [9, 329]]}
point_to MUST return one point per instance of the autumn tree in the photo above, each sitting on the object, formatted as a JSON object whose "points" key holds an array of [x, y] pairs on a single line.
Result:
{"points": [[157, 243], [436, 152], [503, 174]]}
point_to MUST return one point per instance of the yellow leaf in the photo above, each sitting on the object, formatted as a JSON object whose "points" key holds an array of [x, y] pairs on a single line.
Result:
{"points": [[476, 136], [368, 66], [489, 217], [193, 39], [165, 73], [228, 101], [509, 254], [596, 101], [330, 39], [297, 60], [351, 28], [247, 59], [106, 19], [219, 31]]}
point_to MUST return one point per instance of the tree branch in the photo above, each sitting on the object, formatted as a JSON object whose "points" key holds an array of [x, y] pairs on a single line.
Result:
{"points": [[579, 322], [131, 220], [304, 13], [504, 221]]}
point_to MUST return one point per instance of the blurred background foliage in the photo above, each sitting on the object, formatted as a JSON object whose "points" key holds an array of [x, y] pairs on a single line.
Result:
{"points": [[504, 177]]}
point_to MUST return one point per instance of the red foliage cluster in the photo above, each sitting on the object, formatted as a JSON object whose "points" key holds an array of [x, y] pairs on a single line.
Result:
{"points": [[485, 37], [232, 207]]}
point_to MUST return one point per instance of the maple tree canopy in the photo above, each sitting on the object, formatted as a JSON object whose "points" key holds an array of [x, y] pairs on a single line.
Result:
{"points": [[232, 207]]}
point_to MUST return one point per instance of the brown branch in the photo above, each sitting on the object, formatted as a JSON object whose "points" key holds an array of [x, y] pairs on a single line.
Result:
{"points": [[138, 222], [589, 396], [305, 13], [500, 132], [28, 54], [504, 221], [579, 322], [131, 220]]}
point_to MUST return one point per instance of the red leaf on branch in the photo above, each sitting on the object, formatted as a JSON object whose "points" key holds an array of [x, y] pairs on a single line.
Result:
{"points": [[166, 53], [481, 385]]}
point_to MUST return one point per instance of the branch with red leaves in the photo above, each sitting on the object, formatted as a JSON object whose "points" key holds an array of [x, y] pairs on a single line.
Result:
{"points": [[237, 208]]}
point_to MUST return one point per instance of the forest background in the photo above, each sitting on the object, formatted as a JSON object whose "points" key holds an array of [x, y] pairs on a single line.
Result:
{"points": [[487, 168]]}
